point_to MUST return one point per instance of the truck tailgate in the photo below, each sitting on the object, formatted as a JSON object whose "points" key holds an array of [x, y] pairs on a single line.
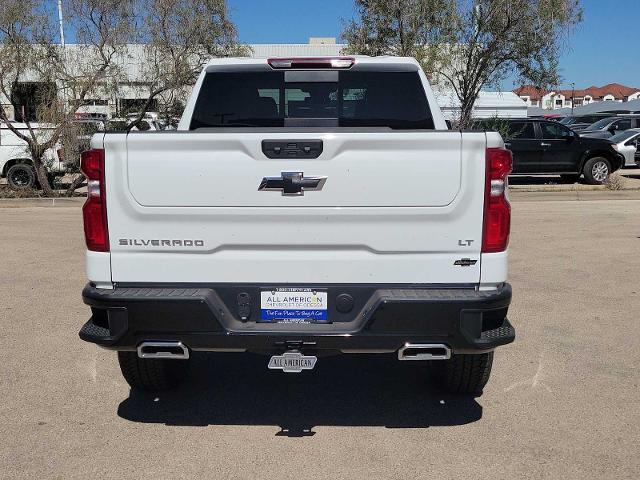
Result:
{"points": [[362, 170], [396, 207]]}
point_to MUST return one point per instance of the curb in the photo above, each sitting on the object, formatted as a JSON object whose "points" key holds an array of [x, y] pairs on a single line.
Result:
{"points": [[573, 195], [551, 189], [40, 202]]}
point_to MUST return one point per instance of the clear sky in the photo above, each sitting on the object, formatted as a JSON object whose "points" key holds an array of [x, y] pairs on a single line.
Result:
{"points": [[601, 50]]}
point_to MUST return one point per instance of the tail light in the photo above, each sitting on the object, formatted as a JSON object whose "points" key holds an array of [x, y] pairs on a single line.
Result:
{"points": [[94, 211], [313, 62], [497, 211]]}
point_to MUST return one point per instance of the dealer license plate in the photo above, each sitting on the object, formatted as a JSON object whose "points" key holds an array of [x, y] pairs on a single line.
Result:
{"points": [[293, 305]]}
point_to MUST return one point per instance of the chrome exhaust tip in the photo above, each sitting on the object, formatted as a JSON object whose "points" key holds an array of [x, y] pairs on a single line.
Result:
{"points": [[424, 351], [165, 350]]}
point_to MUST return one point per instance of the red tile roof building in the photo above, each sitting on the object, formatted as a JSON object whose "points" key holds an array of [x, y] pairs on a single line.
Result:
{"points": [[552, 99]]}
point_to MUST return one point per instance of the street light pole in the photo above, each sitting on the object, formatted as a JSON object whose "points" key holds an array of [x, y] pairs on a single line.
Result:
{"points": [[60, 22], [573, 94]]}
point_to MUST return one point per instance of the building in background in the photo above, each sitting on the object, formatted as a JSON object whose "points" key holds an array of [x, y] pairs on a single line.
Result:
{"points": [[488, 105], [555, 99], [128, 93], [317, 46]]}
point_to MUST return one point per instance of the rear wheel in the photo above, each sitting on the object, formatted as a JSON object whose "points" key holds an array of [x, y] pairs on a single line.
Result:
{"points": [[597, 170], [466, 374], [152, 374], [21, 176]]}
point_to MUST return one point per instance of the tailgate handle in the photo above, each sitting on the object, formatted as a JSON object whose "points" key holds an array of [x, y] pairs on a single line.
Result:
{"points": [[292, 148], [292, 183]]}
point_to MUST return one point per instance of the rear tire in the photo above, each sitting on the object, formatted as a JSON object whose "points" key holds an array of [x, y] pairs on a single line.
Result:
{"points": [[597, 170], [150, 375], [21, 176], [465, 374]]}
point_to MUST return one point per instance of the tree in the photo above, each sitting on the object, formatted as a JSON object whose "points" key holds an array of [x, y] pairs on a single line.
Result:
{"points": [[469, 44], [29, 52], [166, 41], [178, 38], [22, 28], [407, 28]]}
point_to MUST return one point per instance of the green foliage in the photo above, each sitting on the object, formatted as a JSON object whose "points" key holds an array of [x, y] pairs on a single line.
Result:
{"points": [[179, 36], [402, 27], [468, 44], [493, 124]]}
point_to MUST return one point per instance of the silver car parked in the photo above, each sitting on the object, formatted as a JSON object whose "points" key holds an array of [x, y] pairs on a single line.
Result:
{"points": [[627, 144]]}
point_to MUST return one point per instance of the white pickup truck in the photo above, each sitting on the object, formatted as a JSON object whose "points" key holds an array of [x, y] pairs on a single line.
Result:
{"points": [[304, 207], [16, 162]]}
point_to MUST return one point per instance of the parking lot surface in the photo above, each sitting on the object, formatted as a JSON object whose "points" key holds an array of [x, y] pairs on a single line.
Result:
{"points": [[562, 401]]}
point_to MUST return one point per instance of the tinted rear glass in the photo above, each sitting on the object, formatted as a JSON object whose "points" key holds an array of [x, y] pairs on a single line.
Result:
{"points": [[622, 136], [521, 130], [553, 131], [622, 124], [601, 123], [357, 99], [591, 118]]}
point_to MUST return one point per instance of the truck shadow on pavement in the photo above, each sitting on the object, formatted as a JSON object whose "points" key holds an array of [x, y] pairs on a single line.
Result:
{"points": [[349, 390]]}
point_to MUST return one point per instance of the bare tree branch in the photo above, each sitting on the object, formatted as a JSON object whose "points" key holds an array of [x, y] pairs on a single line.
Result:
{"points": [[468, 43]]}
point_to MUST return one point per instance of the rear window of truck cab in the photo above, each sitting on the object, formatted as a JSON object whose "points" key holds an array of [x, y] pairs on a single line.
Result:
{"points": [[342, 99]]}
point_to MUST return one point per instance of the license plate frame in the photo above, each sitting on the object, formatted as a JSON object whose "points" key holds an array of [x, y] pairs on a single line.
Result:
{"points": [[298, 305]]}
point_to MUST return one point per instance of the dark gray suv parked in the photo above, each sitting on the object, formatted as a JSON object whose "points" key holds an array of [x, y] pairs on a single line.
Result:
{"points": [[608, 127], [542, 147]]}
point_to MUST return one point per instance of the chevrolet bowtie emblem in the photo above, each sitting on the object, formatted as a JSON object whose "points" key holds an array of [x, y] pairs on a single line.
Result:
{"points": [[292, 183]]}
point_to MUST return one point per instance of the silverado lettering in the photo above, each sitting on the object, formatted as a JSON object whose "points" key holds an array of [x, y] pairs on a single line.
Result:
{"points": [[160, 243]]}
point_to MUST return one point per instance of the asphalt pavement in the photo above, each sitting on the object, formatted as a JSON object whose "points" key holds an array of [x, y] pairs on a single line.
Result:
{"points": [[562, 402]]}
